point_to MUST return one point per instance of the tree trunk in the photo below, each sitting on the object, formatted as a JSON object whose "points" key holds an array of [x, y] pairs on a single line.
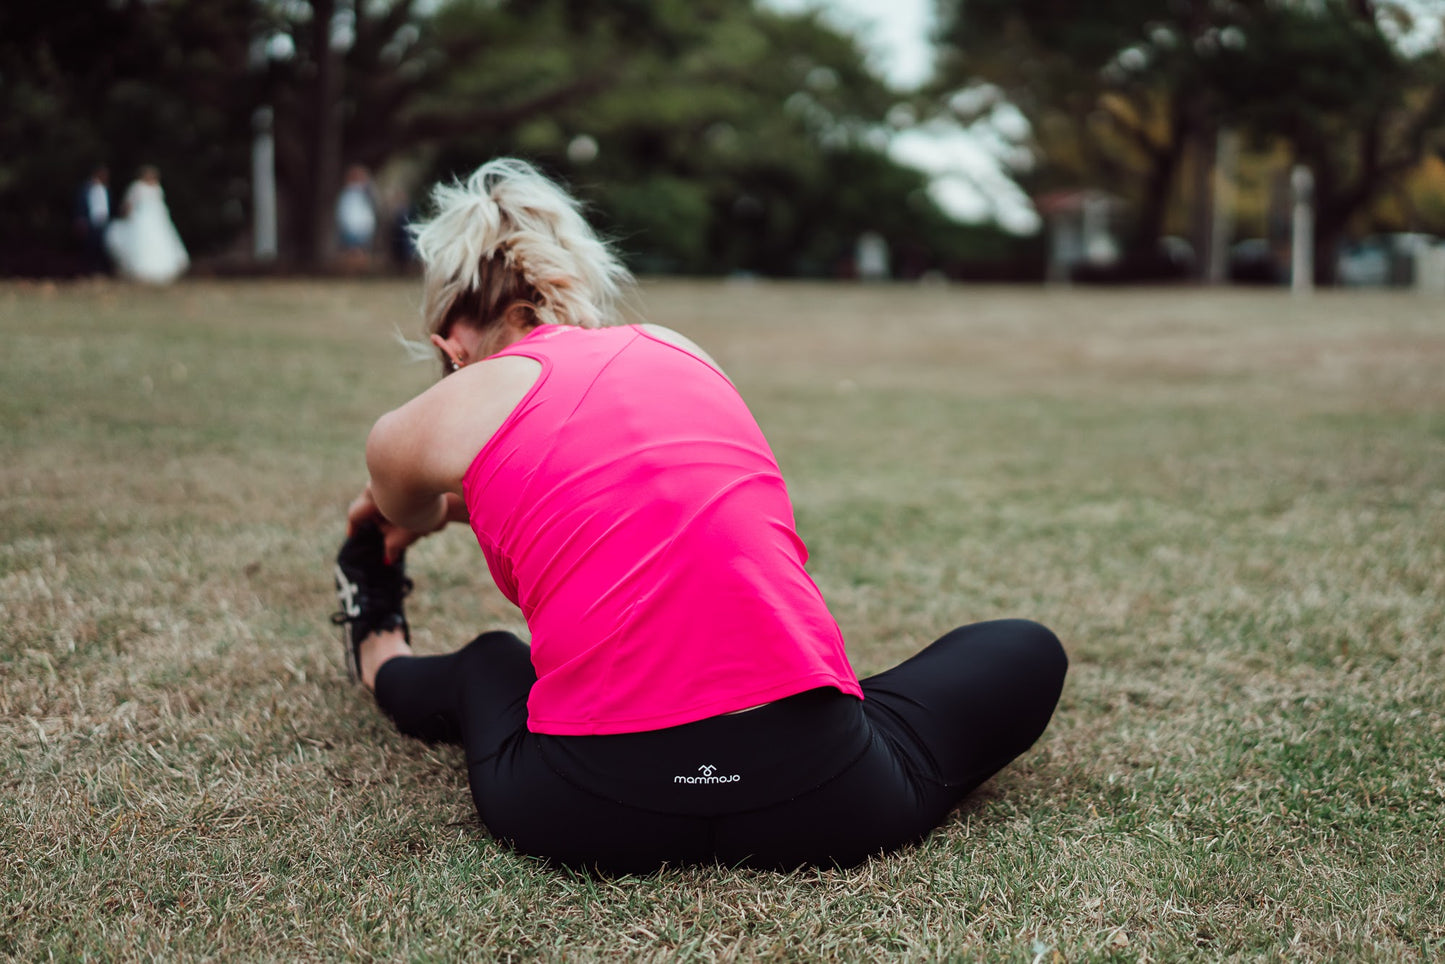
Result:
{"points": [[1164, 167], [324, 154], [1155, 203], [1202, 201]]}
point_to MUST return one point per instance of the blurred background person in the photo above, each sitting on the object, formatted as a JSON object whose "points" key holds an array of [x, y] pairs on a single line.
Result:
{"points": [[872, 257], [356, 218], [144, 242], [92, 217]]}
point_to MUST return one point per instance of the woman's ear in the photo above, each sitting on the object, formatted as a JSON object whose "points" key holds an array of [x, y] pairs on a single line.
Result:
{"points": [[449, 347]]}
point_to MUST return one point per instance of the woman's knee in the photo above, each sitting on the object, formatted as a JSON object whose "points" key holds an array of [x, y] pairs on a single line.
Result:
{"points": [[1040, 664], [495, 652], [1021, 663], [497, 638], [1038, 646], [1012, 647]]}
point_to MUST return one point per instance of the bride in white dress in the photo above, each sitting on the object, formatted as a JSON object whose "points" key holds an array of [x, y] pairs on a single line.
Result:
{"points": [[144, 243]]}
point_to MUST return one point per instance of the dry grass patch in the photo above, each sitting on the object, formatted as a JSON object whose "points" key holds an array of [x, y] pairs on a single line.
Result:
{"points": [[1230, 505]]}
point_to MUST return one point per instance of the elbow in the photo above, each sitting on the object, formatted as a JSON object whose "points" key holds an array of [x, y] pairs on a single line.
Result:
{"points": [[378, 445], [399, 486], [382, 461]]}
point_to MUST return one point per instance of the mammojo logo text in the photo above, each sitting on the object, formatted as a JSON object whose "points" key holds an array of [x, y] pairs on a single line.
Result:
{"points": [[706, 774]]}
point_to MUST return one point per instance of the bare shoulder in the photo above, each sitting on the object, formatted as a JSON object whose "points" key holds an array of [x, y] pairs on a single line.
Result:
{"points": [[682, 341], [663, 333], [432, 439]]}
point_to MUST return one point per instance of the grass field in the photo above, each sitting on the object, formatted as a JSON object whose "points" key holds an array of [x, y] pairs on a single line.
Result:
{"points": [[1229, 505]]}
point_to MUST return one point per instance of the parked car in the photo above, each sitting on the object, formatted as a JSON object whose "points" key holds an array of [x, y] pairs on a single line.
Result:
{"points": [[1381, 259], [1253, 261]]}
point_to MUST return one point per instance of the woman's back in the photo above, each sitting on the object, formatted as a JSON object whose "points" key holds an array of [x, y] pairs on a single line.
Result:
{"points": [[633, 510]]}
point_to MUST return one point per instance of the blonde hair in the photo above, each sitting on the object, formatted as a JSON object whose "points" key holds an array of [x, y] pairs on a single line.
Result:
{"points": [[507, 234]]}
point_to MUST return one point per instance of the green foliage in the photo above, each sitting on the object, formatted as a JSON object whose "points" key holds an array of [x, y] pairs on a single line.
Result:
{"points": [[1361, 112], [661, 222], [730, 137], [92, 82], [1115, 91], [1119, 92], [734, 139]]}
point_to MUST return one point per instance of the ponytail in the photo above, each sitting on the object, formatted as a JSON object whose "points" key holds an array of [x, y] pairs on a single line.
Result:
{"points": [[508, 233]]}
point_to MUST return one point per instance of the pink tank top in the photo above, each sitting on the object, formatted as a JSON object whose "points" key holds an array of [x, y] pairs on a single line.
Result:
{"points": [[632, 509]]}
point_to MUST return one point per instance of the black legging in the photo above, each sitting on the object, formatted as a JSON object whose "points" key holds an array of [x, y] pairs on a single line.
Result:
{"points": [[819, 778]]}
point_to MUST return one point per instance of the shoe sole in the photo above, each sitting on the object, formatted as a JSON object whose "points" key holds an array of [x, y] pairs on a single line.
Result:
{"points": [[346, 593]]}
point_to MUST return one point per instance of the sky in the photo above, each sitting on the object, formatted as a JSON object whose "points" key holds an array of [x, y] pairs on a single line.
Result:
{"points": [[967, 167], [894, 32]]}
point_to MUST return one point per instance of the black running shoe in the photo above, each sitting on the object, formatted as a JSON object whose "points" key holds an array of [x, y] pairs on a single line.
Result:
{"points": [[370, 592]]}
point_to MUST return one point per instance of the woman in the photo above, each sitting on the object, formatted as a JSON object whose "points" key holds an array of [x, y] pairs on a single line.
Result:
{"points": [[685, 696], [144, 243]]}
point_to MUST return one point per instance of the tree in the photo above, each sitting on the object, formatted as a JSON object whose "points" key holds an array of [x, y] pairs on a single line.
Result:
{"points": [[363, 82], [737, 139], [727, 136], [1356, 105], [1116, 91], [176, 83], [121, 84], [1119, 91]]}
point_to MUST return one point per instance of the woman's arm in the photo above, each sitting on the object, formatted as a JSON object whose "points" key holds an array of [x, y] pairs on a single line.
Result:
{"points": [[418, 453], [402, 498], [399, 456]]}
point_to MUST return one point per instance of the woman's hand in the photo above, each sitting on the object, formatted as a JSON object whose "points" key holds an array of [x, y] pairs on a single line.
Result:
{"points": [[364, 509]]}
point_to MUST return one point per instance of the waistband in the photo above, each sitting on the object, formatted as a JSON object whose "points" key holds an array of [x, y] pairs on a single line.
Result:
{"points": [[723, 764]]}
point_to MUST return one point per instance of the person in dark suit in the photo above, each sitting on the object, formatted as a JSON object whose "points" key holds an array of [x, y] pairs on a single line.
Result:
{"points": [[92, 217]]}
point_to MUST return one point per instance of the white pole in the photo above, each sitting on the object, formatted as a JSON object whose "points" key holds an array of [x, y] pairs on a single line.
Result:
{"points": [[1098, 247], [1226, 158], [1430, 268], [263, 186], [1302, 241]]}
